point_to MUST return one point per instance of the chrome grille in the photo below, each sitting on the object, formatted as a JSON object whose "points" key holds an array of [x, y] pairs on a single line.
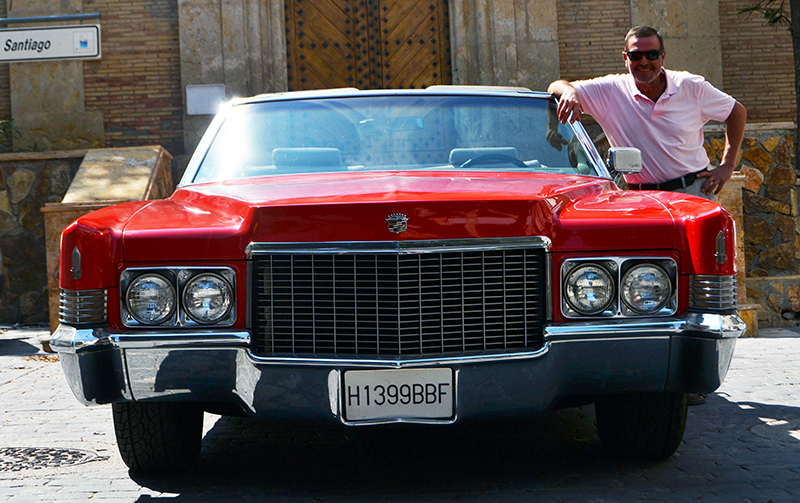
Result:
{"points": [[399, 304], [716, 293], [82, 307]]}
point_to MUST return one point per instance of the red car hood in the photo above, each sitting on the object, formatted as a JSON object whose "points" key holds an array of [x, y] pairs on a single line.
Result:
{"points": [[577, 213]]}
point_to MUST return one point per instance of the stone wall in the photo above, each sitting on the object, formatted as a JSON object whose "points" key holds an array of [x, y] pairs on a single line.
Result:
{"points": [[27, 182], [771, 220]]}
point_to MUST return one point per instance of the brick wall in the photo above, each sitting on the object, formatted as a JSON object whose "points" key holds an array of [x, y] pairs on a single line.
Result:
{"points": [[756, 59], [591, 37], [757, 64], [137, 83]]}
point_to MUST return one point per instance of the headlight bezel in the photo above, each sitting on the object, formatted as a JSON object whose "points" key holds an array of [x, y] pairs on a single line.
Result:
{"points": [[179, 278], [619, 267]]}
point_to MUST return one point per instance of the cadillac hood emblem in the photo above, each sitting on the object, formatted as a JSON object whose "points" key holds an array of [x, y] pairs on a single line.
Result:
{"points": [[397, 223]]}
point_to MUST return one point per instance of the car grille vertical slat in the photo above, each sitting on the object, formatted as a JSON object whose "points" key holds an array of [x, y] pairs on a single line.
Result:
{"points": [[398, 305]]}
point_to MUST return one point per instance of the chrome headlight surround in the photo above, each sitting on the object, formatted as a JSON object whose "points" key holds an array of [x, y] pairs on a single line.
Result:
{"points": [[624, 303], [179, 278]]}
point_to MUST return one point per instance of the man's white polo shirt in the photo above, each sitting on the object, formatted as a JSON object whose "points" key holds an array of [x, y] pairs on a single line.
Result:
{"points": [[669, 132]]}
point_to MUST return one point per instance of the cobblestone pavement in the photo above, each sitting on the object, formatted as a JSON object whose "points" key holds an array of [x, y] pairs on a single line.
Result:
{"points": [[742, 445]]}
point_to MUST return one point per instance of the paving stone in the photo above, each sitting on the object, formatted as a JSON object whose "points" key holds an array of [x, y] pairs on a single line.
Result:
{"points": [[743, 444]]}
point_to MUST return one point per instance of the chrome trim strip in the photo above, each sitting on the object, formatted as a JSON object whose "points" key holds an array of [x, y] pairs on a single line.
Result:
{"points": [[68, 339], [401, 247], [548, 277], [590, 148], [713, 292], [397, 364], [711, 325], [197, 339], [83, 306]]}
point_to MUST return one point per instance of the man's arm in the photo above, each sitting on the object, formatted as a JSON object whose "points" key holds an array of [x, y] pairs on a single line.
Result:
{"points": [[734, 133], [569, 106]]}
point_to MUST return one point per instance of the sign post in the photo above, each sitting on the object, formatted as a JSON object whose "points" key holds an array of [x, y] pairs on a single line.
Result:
{"points": [[50, 43]]}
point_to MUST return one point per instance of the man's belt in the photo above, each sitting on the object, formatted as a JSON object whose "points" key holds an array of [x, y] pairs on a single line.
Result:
{"points": [[674, 184]]}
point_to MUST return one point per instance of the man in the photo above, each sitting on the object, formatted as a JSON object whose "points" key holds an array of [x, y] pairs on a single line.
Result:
{"points": [[661, 112]]}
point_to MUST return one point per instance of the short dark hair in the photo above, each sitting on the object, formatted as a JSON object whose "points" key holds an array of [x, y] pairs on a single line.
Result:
{"points": [[643, 31]]}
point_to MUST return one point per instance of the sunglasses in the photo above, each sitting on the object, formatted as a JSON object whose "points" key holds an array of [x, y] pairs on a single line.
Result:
{"points": [[650, 55]]}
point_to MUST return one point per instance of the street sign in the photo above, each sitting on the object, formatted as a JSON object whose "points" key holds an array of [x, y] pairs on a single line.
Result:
{"points": [[50, 43]]}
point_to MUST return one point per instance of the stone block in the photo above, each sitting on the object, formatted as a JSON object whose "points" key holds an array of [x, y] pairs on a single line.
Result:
{"points": [[749, 313], [730, 197], [758, 157], [759, 232], [59, 130], [754, 203], [128, 174], [778, 258], [770, 144], [778, 300], [753, 178], [780, 176]]}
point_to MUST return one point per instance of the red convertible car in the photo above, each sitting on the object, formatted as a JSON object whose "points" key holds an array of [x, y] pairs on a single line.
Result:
{"points": [[421, 256]]}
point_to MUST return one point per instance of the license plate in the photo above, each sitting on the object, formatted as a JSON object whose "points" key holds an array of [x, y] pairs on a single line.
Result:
{"points": [[398, 394]]}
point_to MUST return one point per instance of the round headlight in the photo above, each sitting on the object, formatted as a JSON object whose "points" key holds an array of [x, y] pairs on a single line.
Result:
{"points": [[589, 289], [646, 288], [150, 299], [207, 298]]}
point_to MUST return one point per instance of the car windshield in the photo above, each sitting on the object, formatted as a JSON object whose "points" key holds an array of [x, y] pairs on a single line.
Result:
{"points": [[392, 133]]}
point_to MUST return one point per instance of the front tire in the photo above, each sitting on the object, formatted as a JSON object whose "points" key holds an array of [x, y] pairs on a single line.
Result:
{"points": [[642, 426], [158, 435]]}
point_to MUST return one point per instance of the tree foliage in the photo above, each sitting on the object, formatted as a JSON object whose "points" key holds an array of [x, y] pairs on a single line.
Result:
{"points": [[775, 12], [778, 13]]}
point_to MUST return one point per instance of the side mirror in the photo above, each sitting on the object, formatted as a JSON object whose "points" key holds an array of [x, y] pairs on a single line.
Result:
{"points": [[624, 160]]}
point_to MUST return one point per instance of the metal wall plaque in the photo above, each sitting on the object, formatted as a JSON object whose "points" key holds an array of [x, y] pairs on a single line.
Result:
{"points": [[50, 43]]}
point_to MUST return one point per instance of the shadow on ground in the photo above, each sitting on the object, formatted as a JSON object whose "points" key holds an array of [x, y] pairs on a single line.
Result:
{"points": [[17, 347], [729, 449], [257, 460]]}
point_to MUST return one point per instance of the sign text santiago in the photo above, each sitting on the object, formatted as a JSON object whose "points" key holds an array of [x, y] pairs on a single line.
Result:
{"points": [[51, 43]]}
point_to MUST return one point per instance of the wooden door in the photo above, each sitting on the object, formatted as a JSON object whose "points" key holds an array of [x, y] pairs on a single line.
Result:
{"points": [[368, 44]]}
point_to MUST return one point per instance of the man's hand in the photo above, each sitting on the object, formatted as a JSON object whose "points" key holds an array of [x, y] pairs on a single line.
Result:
{"points": [[734, 132], [569, 105], [715, 179]]}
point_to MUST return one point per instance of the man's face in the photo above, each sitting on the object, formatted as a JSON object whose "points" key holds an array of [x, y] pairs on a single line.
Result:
{"points": [[644, 71]]}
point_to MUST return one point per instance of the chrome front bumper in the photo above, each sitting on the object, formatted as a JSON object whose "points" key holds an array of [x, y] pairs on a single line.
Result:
{"points": [[691, 353]]}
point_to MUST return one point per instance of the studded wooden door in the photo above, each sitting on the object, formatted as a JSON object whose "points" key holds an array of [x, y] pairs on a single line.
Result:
{"points": [[368, 44]]}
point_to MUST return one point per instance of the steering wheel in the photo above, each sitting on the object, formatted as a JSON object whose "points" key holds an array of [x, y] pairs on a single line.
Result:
{"points": [[492, 158]]}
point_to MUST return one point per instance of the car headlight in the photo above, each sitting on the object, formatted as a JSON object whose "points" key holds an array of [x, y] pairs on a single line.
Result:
{"points": [[589, 289], [150, 299], [646, 288], [207, 298]]}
